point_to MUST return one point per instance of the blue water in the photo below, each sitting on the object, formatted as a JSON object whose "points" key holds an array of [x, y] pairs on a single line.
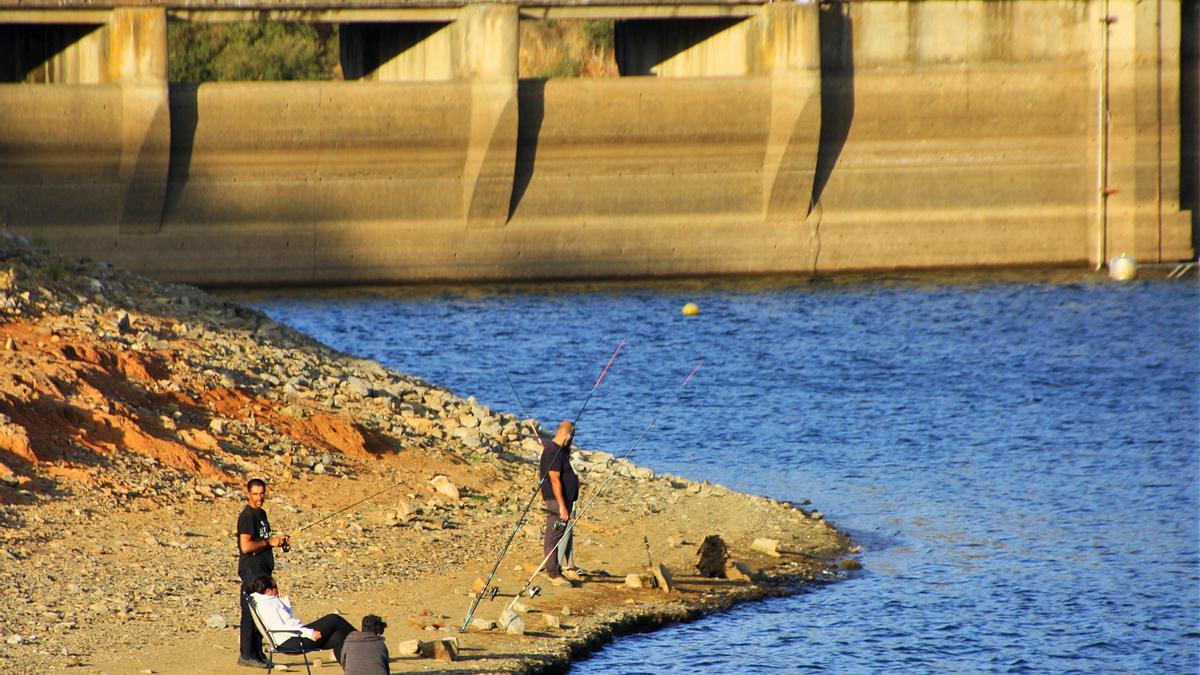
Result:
{"points": [[1017, 455]]}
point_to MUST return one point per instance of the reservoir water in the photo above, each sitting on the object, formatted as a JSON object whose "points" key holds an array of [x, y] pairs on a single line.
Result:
{"points": [[1017, 455]]}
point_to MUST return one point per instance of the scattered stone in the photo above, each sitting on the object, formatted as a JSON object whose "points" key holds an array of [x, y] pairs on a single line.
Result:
{"points": [[445, 649], [10, 345], [480, 623], [444, 485], [663, 578], [850, 564], [566, 611], [478, 585], [358, 387], [552, 621], [122, 323], [736, 571], [640, 581], [773, 548], [511, 623], [216, 622], [519, 607], [642, 473], [767, 546], [408, 648]]}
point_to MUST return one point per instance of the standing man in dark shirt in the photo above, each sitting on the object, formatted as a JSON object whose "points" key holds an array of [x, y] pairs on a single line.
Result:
{"points": [[560, 489], [255, 559]]}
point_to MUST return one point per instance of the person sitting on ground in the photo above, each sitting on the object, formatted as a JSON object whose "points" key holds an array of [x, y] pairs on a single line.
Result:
{"points": [[365, 652], [327, 632]]}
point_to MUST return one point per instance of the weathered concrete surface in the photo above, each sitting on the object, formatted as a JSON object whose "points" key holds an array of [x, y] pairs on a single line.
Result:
{"points": [[799, 138]]}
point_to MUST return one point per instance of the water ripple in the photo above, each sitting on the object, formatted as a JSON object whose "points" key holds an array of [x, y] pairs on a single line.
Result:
{"points": [[1017, 457]]}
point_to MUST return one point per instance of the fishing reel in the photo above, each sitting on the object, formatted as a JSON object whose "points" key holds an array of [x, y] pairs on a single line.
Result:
{"points": [[534, 591]]}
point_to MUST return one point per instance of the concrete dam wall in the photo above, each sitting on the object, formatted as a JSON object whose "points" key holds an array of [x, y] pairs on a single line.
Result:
{"points": [[741, 139]]}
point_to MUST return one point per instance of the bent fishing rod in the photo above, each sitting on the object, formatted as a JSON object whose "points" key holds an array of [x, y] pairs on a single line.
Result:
{"points": [[536, 489], [579, 514]]}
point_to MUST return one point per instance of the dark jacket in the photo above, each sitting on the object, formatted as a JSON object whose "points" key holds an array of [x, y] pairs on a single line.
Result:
{"points": [[365, 654]]}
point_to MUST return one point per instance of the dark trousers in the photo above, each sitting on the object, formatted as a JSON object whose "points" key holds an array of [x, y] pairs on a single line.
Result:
{"points": [[249, 640], [555, 527], [333, 629]]}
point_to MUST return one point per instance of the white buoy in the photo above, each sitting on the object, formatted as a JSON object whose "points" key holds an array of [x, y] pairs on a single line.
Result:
{"points": [[1122, 268]]}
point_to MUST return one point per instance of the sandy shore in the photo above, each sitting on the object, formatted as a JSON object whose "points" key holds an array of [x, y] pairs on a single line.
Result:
{"points": [[131, 413]]}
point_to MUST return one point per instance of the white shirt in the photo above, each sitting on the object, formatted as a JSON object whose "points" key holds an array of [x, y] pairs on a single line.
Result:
{"points": [[276, 614]]}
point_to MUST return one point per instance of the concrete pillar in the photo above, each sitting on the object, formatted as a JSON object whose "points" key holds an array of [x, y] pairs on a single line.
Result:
{"points": [[782, 43], [137, 61], [789, 39], [486, 39], [1143, 212]]}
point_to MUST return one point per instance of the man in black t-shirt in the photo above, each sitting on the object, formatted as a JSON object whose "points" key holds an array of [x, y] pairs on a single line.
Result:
{"points": [[560, 490], [255, 559]]}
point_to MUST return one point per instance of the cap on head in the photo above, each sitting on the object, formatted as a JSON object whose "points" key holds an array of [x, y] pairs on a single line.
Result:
{"points": [[373, 624]]}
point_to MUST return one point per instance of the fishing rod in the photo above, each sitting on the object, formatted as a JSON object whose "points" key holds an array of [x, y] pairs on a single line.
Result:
{"points": [[579, 514], [536, 489], [342, 510]]}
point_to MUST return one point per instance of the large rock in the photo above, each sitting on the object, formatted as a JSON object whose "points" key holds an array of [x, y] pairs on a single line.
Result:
{"points": [[713, 554]]}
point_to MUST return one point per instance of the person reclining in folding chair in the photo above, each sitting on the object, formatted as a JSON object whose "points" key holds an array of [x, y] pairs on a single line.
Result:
{"points": [[327, 632]]}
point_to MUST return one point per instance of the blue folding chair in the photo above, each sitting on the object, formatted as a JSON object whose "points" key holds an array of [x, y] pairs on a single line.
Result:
{"points": [[271, 642]]}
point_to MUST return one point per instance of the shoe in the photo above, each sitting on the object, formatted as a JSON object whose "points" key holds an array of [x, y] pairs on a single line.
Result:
{"points": [[252, 663], [572, 575], [562, 581]]}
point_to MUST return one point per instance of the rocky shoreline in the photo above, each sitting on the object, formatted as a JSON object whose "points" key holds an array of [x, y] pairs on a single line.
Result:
{"points": [[131, 413]]}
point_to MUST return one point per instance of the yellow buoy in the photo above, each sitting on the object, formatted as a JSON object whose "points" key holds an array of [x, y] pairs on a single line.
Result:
{"points": [[1122, 268], [691, 309]]}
